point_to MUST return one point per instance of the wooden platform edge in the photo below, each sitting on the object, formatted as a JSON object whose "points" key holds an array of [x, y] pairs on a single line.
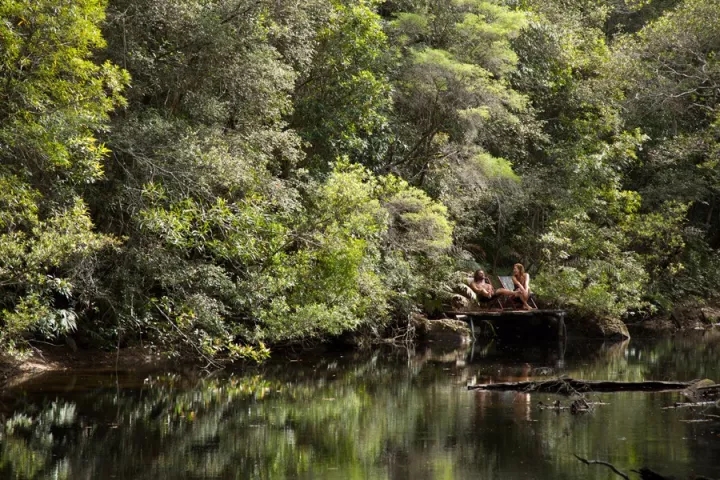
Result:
{"points": [[500, 313], [498, 317]]}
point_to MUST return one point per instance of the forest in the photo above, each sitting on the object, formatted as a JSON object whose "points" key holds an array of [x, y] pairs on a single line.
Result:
{"points": [[218, 178]]}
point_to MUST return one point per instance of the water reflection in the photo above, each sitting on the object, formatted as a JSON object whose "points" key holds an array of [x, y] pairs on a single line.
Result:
{"points": [[389, 415]]}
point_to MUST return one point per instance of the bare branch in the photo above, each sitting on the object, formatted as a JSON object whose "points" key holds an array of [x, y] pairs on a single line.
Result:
{"points": [[600, 462]]}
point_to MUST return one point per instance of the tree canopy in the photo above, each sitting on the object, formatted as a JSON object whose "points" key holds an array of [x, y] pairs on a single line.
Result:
{"points": [[221, 176]]}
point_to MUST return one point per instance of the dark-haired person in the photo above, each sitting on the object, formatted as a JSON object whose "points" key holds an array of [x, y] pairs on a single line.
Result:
{"points": [[481, 285]]}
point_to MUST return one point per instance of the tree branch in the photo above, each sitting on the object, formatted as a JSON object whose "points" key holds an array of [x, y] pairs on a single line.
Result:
{"points": [[600, 462]]}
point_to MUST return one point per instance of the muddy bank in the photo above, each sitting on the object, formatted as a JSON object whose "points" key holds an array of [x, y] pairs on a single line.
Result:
{"points": [[445, 334], [681, 318], [46, 358], [684, 317]]}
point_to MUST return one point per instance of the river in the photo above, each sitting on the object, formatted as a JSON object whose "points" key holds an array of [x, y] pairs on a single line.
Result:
{"points": [[392, 414]]}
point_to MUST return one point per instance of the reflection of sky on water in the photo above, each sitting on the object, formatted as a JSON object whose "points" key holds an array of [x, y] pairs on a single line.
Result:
{"points": [[391, 415]]}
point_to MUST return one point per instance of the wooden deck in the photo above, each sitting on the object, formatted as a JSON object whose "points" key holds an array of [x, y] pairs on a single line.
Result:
{"points": [[515, 323]]}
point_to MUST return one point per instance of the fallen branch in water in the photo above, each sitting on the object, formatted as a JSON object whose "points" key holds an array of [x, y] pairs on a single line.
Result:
{"points": [[702, 391], [647, 474], [554, 406], [558, 406], [568, 386], [690, 405], [600, 462]]}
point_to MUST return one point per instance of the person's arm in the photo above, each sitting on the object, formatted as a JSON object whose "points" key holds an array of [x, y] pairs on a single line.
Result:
{"points": [[519, 285], [527, 282]]}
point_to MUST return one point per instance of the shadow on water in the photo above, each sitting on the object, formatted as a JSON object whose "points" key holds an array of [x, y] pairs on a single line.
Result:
{"points": [[393, 414]]}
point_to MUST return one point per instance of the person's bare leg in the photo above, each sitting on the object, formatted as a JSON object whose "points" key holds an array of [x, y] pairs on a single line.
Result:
{"points": [[525, 296], [503, 292], [515, 294]]}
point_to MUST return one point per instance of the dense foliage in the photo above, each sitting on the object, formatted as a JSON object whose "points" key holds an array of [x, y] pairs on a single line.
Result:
{"points": [[217, 176]]}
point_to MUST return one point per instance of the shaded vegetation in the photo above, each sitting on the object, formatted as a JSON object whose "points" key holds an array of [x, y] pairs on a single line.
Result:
{"points": [[220, 177]]}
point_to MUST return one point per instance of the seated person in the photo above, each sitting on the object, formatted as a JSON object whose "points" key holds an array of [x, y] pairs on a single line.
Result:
{"points": [[521, 280], [521, 287], [481, 285]]}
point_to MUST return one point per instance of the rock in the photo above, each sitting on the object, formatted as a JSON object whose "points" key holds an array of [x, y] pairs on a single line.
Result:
{"points": [[607, 328], [710, 315], [685, 316], [614, 328], [705, 382], [701, 390], [578, 406], [449, 331], [459, 303], [71, 343]]}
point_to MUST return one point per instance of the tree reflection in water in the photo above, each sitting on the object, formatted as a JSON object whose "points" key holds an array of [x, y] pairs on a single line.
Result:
{"points": [[383, 416]]}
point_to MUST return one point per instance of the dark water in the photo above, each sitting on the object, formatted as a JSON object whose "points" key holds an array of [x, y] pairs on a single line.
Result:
{"points": [[390, 415]]}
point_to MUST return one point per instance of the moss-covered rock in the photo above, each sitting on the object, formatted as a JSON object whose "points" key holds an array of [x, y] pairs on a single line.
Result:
{"points": [[711, 315], [687, 316], [456, 332], [599, 327]]}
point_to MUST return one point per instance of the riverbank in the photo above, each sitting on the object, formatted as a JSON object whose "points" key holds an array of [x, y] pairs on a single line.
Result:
{"points": [[681, 318], [46, 357], [684, 317]]}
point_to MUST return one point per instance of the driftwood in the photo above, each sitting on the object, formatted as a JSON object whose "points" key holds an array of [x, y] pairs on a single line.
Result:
{"points": [[580, 405], [585, 405], [702, 391], [689, 405], [568, 386], [645, 473], [606, 464]]}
